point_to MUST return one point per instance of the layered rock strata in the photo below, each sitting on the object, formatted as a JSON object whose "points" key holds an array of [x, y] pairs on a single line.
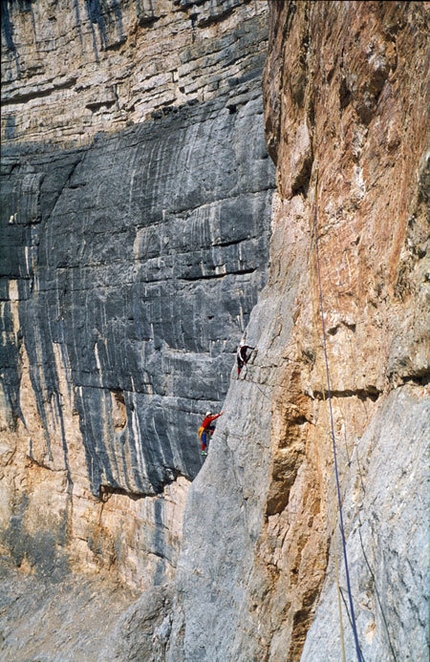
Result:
{"points": [[260, 573], [71, 70], [346, 108], [131, 260]]}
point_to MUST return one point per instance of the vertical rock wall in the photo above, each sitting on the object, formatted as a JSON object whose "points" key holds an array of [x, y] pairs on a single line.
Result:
{"points": [[120, 248], [136, 197], [261, 570], [72, 70]]}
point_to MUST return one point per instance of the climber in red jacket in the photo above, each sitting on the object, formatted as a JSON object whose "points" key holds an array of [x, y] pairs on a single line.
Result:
{"points": [[206, 430]]}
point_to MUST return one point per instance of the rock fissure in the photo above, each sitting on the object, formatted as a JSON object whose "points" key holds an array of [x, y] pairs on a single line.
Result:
{"points": [[21, 96], [370, 393]]}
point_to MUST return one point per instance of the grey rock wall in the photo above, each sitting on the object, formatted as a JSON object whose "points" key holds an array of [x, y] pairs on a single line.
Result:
{"points": [[220, 582], [347, 295], [53, 621], [140, 257], [136, 201], [387, 544]]}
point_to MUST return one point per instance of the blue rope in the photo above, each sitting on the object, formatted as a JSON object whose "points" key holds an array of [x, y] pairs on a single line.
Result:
{"points": [[333, 438]]}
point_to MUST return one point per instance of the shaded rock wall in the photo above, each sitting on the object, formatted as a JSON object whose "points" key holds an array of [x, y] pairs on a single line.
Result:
{"points": [[258, 572], [71, 619], [130, 264], [346, 110]]}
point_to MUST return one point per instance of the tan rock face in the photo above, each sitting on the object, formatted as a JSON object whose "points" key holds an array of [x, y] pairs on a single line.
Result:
{"points": [[346, 109], [45, 497], [69, 72], [347, 122], [73, 70]]}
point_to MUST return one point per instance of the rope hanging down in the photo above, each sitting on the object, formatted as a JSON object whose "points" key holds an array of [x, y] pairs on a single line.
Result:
{"points": [[251, 381], [333, 439], [372, 574]]}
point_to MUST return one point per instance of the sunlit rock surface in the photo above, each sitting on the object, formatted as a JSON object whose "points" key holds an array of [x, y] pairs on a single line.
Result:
{"points": [[71, 70], [107, 323], [346, 109], [134, 244]]}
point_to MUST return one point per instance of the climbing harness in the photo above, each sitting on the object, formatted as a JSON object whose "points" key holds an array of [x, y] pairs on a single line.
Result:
{"points": [[333, 438]]}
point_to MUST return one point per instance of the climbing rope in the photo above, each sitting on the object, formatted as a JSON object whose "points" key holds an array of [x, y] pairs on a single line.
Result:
{"points": [[339, 599], [333, 438], [372, 574], [336, 563], [252, 381], [349, 617]]}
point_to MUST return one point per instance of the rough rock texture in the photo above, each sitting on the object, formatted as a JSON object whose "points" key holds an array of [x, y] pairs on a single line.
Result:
{"points": [[144, 629], [41, 619], [73, 69], [346, 104], [259, 573], [130, 264], [387, 505]]}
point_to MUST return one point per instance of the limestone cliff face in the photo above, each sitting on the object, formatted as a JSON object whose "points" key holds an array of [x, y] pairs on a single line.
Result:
{"points": [[74, 69], [136, 198], [346, 109], [134, 261]]}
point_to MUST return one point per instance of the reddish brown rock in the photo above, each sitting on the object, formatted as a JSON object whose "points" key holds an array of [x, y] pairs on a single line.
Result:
{"points": [[346, 110], [346, 101]]}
